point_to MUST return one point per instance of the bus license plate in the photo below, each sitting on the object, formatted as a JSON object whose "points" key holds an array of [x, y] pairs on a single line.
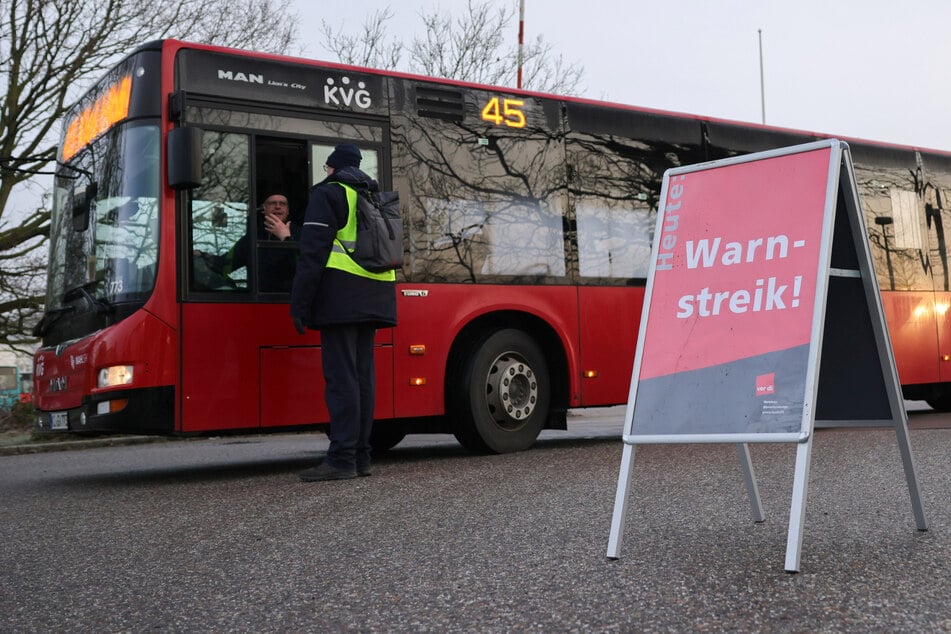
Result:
{"points": [[59, 421]]}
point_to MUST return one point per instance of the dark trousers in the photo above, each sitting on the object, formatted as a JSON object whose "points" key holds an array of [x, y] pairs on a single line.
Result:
{"points": [[347, 354]]}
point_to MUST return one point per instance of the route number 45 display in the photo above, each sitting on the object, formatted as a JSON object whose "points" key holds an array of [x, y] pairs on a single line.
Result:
{"points": [[506, 112]]}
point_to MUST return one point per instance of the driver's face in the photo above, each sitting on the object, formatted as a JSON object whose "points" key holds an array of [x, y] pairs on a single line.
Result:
{"points": [[276, 206]]}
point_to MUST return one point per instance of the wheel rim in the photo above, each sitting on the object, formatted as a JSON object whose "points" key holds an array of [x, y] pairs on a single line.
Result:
{"points": [[511, 390]]}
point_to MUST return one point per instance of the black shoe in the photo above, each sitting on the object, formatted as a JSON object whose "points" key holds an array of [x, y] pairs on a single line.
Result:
{"points": [[364, 471], [326, 471]]}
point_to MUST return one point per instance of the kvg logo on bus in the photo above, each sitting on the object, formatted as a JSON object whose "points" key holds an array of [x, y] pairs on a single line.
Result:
{"points": [[346, 95]]}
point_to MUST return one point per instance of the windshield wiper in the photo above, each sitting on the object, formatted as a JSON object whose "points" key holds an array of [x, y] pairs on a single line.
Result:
{"points": [[49, 318], [101, 304]]}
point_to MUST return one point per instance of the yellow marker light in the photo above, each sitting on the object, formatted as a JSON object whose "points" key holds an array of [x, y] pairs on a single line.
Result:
{"points": [[946, 357], [110, 108], [110, 407], [417, 380], [417, 349], [115, 375], [591, 374]]}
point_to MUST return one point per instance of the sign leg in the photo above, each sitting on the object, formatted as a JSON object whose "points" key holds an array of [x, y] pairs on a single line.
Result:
{"points": [[911, 475], [743, 450], [797, 512], [620, 502]]}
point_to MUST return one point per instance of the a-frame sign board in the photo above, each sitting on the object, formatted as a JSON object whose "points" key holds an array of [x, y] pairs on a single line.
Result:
{"points": [[762, 319]]}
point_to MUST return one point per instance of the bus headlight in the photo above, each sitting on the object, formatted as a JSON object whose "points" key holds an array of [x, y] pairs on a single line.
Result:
{"points": [[115, 375]]}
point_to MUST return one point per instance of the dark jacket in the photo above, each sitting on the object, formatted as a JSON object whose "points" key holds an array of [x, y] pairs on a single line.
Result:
{"points": [[275, 264], [323, 296]]}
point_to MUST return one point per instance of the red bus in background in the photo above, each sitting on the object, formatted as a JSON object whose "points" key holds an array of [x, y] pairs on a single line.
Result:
{"points": [[529, 221]]}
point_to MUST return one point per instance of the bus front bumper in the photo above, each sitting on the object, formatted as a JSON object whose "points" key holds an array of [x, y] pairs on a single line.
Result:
{"points": [[148, 410]]}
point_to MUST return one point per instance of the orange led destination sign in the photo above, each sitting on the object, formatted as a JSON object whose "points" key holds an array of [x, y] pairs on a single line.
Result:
{"points": [[108, 109]]}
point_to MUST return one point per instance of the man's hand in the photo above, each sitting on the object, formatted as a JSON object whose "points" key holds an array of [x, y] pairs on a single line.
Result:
{"points": [[276, 227], [299, 325]]}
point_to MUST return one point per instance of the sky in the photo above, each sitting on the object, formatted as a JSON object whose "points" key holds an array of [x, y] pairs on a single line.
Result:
{"points": [[867, 69]]}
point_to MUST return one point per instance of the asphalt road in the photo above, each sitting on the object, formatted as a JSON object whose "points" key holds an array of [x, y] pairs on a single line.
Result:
{"points": [[218, 535]]}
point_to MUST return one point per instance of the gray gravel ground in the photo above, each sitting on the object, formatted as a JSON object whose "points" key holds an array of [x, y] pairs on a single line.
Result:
{"points": [[218, 535]]}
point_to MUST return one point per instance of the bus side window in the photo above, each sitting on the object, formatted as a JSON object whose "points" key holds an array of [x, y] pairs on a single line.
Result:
{"points": [[220, 215], [369, 164]]}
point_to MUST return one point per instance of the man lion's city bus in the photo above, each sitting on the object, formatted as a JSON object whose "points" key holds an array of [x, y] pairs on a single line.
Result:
{"points": [[528, 228]]}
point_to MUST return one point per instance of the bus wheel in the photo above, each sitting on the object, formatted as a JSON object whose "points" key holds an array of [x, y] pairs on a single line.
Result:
{"points": [[385, 437], [500, 395], [941, 402]]}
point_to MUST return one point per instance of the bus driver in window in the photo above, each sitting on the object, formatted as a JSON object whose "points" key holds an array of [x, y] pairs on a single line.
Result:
{"points": [[276, 217], [276, 264]]}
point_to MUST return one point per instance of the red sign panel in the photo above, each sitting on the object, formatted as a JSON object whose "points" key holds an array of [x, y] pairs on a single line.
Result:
{"points": [[733, 297]]}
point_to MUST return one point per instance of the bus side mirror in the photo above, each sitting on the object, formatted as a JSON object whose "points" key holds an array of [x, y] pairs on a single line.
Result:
{"points": [[184, 157], [82, 203]]}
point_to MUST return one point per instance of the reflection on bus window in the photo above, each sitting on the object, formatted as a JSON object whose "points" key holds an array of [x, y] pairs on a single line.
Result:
{"points": [[524, 240], [219, 214], [613, 241], [905, 216], [114, 256], [125, 245], [464, 240], [888, 186], [220, 117], [369, 164], [894, 233]]}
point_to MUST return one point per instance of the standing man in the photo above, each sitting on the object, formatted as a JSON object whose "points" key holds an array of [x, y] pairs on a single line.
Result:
{"points": [[346, 303]]}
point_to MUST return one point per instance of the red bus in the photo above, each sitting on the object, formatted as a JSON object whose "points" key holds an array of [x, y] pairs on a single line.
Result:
{"points": [[528, 219]]}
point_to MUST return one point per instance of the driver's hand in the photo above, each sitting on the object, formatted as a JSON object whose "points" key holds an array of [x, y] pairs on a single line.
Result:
{"points": [[276, 227]]}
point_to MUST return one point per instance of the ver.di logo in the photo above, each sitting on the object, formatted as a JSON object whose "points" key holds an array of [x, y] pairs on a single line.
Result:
{"points": [[346, 95], [766, 384]]}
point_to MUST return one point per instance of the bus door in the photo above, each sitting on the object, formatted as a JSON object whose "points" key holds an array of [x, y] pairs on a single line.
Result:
{"points": [[291, 377], [243, 364]]}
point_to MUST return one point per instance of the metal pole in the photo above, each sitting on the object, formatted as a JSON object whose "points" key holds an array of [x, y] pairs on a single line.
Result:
{"points": [[521, 35], [762, 85]]}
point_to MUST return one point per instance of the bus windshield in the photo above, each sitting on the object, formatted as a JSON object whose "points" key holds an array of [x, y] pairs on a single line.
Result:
{"points": [[104, 236]]}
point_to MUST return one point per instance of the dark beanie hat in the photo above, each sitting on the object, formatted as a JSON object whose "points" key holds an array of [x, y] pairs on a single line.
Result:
{"points": [[345, 155]]}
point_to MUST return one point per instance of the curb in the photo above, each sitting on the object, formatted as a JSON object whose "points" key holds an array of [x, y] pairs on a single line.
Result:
{"points": [[66, 445]]}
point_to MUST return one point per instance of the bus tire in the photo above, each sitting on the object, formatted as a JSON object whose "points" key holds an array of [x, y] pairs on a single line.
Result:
{"points": [[500, 393], [940, 402], [385, 437]]}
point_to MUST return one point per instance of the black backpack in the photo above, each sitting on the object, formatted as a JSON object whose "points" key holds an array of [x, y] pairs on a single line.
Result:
{"points": [[379, 246]]}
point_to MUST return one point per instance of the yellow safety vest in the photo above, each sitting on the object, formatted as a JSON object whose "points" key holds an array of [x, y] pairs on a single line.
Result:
{"points": [[346, 241]]}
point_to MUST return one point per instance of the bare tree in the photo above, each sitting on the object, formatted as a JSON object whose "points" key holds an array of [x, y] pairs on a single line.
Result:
{"points": [[370, 48], [477, 45], [50, 52]]}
